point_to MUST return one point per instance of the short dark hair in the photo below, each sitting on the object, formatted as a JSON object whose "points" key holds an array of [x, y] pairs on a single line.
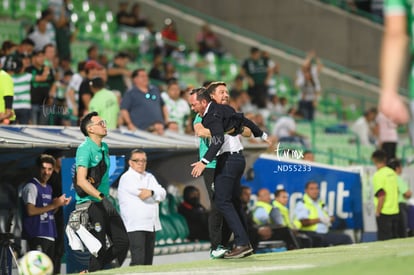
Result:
{"points": [[201, 94], [45, 158], [86, 120], [188, 190], [394, 163], [27, 41], [136, 151], [311, 182], [137, 71], [379, 156], [279, 191]]}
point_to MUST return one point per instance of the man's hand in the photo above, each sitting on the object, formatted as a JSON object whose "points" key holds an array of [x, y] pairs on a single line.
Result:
{"points": [[198, 168], [109, 208], [393, 107], [325, 220], [145, 194]]}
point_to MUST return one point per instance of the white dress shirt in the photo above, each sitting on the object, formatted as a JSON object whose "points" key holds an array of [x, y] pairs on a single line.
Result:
{"points": [[137, 214]]}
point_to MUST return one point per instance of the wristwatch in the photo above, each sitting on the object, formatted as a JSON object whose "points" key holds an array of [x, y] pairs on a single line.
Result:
{"points": [[101, 195]]}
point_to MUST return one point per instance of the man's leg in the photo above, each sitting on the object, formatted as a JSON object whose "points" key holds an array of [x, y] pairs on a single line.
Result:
{"points": [[215, 218], [137, 247], [97, 216], [332, 238], [228, 167], [119, 237], [149, 247], [384, 225]]}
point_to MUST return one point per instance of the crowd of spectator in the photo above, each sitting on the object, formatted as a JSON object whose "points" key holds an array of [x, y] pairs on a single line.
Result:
{"points": [[49, 89]]}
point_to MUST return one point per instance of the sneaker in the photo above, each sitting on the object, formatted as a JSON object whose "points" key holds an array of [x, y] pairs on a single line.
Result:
{"points": [[218, 252]]}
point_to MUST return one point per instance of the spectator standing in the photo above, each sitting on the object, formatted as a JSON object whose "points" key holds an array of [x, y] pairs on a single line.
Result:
{"points": [[315, 220], [285, 129], [62, 22], [72, 93], [104, 102], [43, 88], [142, 106], [139, 190], [257, 70], [170, 35], [385, 182], [93, 155], [208, 41], [387, 135], [119, 76], [138, 20], [92, 69], [40, 36], [307, 81], [177, 108], [195, 214], [363, 128], [21, 100], [39, 226], [404, 193]]}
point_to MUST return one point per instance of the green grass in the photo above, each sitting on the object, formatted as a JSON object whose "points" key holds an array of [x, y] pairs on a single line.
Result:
{"points": [[388, 257]]}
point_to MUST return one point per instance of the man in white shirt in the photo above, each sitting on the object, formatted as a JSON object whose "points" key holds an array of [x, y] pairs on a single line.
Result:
{"points": [[285, 129], [139, 194], [363, 128]]}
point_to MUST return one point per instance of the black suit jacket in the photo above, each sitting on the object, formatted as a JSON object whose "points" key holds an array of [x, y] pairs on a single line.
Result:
{"points": [[220, 119]]}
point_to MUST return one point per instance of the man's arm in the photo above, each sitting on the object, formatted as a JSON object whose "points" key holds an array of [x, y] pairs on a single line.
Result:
{"points": [[393, 56], [84, 184], [127, 119], [32, 210], [381, 200]]}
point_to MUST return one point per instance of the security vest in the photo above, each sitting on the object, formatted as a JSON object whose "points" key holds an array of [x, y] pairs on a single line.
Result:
{"points": [[285, 213], [267, 207], [313, 212]]}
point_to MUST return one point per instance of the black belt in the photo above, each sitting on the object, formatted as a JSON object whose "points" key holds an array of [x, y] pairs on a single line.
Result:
{"points": [[231, 153]]}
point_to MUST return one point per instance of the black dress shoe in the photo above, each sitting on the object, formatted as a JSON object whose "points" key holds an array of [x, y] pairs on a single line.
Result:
{"points": [[238, 252]]}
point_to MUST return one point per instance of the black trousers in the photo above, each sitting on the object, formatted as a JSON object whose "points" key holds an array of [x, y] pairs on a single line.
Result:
{"points": [[327, 239], [229, 170], [45, 245], [113, 227], [387, 227], [390, 148], [403, 220], [141, 244], [218, 229]]}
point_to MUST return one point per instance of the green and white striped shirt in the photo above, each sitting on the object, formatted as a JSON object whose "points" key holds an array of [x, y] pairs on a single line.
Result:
{"points": [[21, 98]]}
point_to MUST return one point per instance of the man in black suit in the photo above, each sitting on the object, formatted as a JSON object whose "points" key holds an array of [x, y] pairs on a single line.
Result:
{"points": [[221, 119]]}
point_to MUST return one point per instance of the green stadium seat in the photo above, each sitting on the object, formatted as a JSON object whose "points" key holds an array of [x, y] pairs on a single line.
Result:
{"points": [[6, 8]]}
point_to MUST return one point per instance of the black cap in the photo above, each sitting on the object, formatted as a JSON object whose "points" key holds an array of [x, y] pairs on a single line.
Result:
{"points": [[12, 63]]}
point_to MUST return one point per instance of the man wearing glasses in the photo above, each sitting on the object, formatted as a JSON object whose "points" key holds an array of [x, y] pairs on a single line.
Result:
{"points": [[139, 195], [92, 186]]}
